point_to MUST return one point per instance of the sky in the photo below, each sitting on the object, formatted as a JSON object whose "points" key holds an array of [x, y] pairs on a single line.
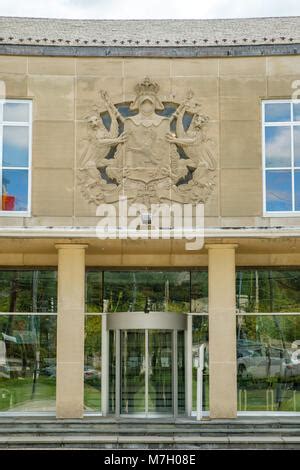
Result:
{"points": [[149, 9]]}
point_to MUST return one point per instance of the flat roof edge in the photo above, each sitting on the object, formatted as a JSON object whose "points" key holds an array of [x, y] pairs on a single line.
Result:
{"points": [[142, 51]]}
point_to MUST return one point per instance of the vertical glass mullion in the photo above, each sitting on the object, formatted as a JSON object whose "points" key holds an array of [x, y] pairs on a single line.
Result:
{"points": [[292, 156]]}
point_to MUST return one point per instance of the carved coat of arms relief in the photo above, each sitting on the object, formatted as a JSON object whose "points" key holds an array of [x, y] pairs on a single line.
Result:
{"points": [[147, 150]]}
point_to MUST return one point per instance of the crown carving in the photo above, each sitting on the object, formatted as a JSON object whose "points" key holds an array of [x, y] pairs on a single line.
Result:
{"points": [[146, 87]]}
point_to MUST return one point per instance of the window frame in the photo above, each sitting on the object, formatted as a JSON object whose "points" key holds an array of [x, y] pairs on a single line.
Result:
{"points": [[28, 124], [292, 168]]}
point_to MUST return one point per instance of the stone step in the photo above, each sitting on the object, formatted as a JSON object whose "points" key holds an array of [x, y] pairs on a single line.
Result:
{"points": [[158, 442], [111, 430]]}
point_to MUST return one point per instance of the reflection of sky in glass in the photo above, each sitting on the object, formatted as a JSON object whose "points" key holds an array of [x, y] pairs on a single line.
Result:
{"points": [[277, 112], [297, 145], [15, 146], [296, 110], [15, 183], [278, 190], [278, 146], [297, 190], [16, 112]]}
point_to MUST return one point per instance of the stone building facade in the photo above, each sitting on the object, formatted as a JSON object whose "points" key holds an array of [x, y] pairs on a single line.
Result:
{"points": [[114, 326]]}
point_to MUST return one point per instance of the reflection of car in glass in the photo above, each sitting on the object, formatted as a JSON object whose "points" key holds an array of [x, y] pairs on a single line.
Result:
{"points": [[89, 372], [259, 361]]}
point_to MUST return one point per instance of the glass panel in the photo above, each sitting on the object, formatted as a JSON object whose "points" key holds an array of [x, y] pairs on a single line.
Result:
{"points": [[15, 190], [200, 336], [277, 112], [28, 291], [199, 291], [92, 364], [278, 146], [263, 290], [112, 371], [160, 371], [268, 362], [93, 282], [296, 111], [27, 363], [16, 112], [181, 372], [132, 372], [297, 145], [279, 191], [152, 290], [297, 189], [15, 146]]}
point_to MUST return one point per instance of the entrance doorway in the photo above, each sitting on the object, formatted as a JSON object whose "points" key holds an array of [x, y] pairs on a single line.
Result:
{"points": [[146, 367]]}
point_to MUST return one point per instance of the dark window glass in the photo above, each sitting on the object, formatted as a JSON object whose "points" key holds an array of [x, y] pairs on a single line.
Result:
{"points": [[199, 291], [268, 363], [267, 290], [166, 291], [27, 363], [279, 190], [277, 112], [92, 363], [93, 291], [28, 291]]}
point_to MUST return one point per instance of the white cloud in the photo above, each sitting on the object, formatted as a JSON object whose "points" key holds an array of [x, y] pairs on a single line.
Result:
{"points": [[124, 9]]}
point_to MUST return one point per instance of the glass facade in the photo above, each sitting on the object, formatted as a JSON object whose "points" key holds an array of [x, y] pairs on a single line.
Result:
{"points": [[133, 291], [92, 363], [28, 303], [268, 339], [27, 363], [268, 363]]}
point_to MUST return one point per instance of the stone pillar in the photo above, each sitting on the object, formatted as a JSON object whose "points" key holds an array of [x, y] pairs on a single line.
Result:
{"points": [[70, 330], [222, 331]]}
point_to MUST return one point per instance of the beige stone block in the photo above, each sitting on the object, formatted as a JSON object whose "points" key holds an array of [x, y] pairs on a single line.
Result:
{"points": [[241, 193], [53, 97], [40, 259], [237, 109], [243, 87], [48, 221], [104, 260], [283, 65], [15, 85], [240, 144], [243, 66], [212, 221], [99, 66], [82, 208], [211, 206], [88, 93], [145, 260], [147, 67], [130, 83], [224, 404], [69, 391], [52, 192], [281, 86], [11, 221], [51, 65], [194, 67], [13, 64], [53, 144], [11, 259], [238, 222], [204, 86], [189, 260]]}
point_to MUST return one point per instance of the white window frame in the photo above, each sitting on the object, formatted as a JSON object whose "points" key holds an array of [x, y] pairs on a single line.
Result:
{"points": [[292, 168], [28, 124]]}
